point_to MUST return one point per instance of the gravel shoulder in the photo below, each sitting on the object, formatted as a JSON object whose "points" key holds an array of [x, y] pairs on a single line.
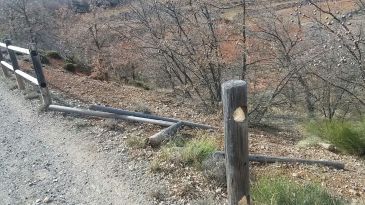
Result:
{"points": [[45, 158]]}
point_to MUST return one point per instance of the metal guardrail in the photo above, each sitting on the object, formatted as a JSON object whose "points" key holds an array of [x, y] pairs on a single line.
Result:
{"points": [[20, 75]]}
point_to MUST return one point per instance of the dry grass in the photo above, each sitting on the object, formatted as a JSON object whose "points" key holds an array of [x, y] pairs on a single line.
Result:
{"points": [[280, 190], [349, 137]]}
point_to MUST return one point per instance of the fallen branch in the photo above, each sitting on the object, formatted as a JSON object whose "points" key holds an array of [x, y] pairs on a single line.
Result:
{"points": [[158, 138], [143, 115], [268, 159], [107, 115]]}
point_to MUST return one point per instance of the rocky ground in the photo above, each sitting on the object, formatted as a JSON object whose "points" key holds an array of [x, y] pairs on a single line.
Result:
{"points": [[49, 158]]}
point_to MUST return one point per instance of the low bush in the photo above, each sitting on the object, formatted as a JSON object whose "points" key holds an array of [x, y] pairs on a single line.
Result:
{"points": [[143, 108], [85, 69], [135, 142], [44, 59], [70, 67], [140, 84], [184, 151], [348, 137], [196, 150], [81, 67], [54, 55], [282, 191]]}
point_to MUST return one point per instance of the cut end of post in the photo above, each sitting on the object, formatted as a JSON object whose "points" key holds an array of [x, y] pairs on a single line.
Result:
{"points": [[233, 83], [244, 201]]}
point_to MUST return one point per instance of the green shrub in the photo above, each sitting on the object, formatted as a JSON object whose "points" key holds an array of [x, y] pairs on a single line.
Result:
{"points": [[70, 67], [143, 108], [196, 150], [44, 59], [181, 151], [135, 142], [71, 59], [54, 55], [140, 84], [282, 191], [348, 137], [85, 69], [80, 66]]}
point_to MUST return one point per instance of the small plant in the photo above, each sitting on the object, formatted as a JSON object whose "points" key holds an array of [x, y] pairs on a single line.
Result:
{"points": [[182, 151], [140, 84], [54, 55], [158, 194], [44, 59], [348, 137], [70, 67], [196, 150], [280, 190], [85, 69], [143, 108], [136, 142]]}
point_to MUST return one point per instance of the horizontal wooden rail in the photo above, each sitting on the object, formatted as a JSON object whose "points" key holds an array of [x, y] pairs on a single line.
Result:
{"points": [[3, 45], [143, 115], [163, 135], [7, 65], [27, 77], [270, 159], [59, 108], [21, 73], [19, 49]]}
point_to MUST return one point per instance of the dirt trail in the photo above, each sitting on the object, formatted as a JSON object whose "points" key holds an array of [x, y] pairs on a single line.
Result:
{"points": [[46, 156]]}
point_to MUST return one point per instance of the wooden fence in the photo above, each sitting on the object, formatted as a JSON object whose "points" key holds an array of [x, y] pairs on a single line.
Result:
{"points": [[234, 97], [20, 76]]}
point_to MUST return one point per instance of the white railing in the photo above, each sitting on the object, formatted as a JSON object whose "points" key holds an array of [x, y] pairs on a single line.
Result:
{"points": [[14, 68]]}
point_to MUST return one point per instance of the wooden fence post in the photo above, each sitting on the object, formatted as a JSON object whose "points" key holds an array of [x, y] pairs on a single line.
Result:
{"points": [[15, 65], [5, 71], [236, 141], [37, 66]]}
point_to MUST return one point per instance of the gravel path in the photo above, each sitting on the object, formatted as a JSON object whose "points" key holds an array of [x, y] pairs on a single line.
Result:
{"points": [[46, 159]]}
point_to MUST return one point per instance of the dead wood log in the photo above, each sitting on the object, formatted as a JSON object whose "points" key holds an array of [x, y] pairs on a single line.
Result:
{"points": [[157, 139], [269, 159], [149, 116]]}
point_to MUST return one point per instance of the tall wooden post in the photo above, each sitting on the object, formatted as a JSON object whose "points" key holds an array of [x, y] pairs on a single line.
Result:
{"points": [[236, 141], [15, 65], [37, 66], [5, 71]]}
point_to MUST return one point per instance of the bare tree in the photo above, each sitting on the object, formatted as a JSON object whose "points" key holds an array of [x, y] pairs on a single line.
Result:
{"points": [[184, 37], [28, 20]]}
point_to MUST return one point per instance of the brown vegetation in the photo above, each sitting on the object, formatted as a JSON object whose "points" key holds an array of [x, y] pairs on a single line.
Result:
{"points": [[301, 60]]}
